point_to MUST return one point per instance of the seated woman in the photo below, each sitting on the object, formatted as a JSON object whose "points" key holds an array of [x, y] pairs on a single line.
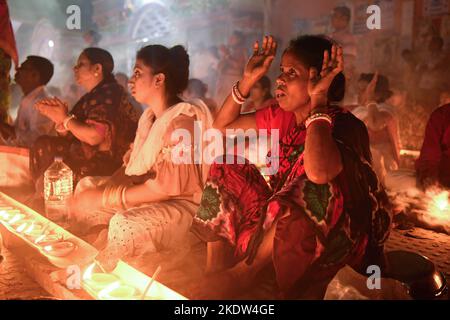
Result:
{"points": [[97, 132], [260, 96], [324, 207], [151, 207], [381, 121]]}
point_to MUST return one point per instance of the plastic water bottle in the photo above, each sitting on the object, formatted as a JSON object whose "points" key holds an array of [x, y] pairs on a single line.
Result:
{"points": [[58, 187]]}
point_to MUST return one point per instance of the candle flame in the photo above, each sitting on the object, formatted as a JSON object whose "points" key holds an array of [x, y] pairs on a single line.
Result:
{"points": [[104, 293], [21, 227], [88, 273], [438, 208], [16, 218], [30, 228], [39, 239]]}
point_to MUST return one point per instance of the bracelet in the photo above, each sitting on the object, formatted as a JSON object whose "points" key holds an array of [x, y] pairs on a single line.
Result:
{"points": [[67, 120], [113, 197], [237, 95], [124, 199], [318, 117], [60, 128]]}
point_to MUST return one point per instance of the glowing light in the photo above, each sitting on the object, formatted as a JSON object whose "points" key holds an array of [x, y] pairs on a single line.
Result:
{"points": [[438, 212], [21, 227], [30, 228], [16, 218], [88, 273], [51, 44], [39, 239], [105, 293], [48, 248]]}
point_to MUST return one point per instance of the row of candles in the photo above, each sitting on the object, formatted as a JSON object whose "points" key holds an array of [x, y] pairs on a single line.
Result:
{"points": [[47, 240], [102, 285]]}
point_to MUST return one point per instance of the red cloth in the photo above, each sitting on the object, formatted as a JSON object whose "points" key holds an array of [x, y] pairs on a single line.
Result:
{"points": [[273, 117], [434, 160], [7, 40]]}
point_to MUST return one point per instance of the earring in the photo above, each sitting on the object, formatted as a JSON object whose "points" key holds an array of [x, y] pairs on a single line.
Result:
{"points": [[96, 74]]}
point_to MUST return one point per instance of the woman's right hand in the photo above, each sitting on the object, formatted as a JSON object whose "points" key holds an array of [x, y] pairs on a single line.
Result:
{"points": [[259, 63]]}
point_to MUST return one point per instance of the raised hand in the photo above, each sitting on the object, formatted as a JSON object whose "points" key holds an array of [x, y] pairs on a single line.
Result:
{"points": [[319, 83], [369, 93], [261, 59]]}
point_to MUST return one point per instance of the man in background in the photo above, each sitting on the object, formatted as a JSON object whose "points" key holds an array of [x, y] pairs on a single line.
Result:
{"points": [[32, 76]]}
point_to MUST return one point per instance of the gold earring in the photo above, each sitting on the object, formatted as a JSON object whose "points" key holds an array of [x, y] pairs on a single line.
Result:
{"points": [[96, 74]]}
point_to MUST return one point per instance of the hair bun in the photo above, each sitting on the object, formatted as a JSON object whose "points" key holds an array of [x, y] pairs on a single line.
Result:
{"points": [[180, 67]]}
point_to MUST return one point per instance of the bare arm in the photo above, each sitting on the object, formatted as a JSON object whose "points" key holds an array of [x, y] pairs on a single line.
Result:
{"points": [[229, 115], [322, 157], [85, 132], [57, 111]]}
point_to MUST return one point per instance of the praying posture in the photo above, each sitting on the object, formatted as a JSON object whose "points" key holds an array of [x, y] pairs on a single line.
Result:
{"points": [[323, 209], [150, 203], [96, 133]]}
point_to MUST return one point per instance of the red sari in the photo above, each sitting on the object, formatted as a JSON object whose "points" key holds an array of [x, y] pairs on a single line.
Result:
{"points": [[329, 225]]}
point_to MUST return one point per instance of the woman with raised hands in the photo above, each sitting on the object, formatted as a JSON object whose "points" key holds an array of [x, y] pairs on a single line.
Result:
{"points": [[322, 209]]}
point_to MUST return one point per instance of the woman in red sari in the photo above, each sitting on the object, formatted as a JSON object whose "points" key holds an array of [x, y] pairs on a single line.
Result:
{"points": [[323, 209]]}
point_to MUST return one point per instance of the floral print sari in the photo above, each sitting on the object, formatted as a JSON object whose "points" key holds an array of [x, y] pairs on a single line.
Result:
{"points": [[319, 228]]}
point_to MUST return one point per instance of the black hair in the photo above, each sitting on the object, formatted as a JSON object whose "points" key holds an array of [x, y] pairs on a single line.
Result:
{"points": [[382, 88], [309, 50], [102, 57], [197, 86], [173, 63], [43, 66], [266, 84]]}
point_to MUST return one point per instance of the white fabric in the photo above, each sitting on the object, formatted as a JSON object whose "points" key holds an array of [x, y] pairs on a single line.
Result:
{"points": [[148, 142], [361, 112], [30, 123]]}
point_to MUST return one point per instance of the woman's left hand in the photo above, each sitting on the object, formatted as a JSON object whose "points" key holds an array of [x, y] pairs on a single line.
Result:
{"points": [[53, 108], [319, 84]]}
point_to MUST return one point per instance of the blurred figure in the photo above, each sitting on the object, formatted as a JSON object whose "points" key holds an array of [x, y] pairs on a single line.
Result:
{"points": [[92, 38], [32, 76], [204, 64], [340, 22], [433, 165], [196, 89], [433, 71], [260, 96], [381, 121], [8, 54], [232, 61], [54, 91]]}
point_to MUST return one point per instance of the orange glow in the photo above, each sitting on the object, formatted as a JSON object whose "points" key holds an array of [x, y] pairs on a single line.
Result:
{"points": [[438, 212]]}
